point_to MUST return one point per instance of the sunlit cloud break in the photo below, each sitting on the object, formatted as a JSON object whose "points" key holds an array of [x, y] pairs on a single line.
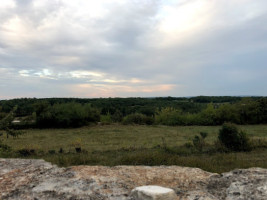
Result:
{"points": [[107, 48]]}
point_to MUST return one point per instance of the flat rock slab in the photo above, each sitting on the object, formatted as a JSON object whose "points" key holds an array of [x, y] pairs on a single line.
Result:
{"points": [[36, 179], [153, 192]]}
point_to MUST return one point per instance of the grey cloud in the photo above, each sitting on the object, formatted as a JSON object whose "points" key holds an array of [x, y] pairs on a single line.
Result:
{"points": [[23, 3], [126, 28], [125, 44]]}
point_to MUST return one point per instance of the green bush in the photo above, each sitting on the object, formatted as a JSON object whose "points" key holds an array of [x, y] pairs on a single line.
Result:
{"points": [[117, 116], [188, 145], [26, 152], [170, 117], [51, 151], [106, 119], [61, 150], [138, 118], [4, 147], [199, 142], [233, 139]]}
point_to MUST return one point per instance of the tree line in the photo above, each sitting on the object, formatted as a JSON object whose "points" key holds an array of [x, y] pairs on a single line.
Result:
{"points": [[72, 112]]}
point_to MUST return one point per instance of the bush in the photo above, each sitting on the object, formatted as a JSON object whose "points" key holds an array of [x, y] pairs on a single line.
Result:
{"points": [[26, 152], [149, 120], [4, 147], [105, 119], [51, 151], [170, 117], [188, 145], [61, 150], [117, 116], [138, 118], [233, 139], [199, 142]]}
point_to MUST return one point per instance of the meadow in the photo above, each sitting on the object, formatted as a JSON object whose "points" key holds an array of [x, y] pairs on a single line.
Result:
{"points": [[137, 145]]}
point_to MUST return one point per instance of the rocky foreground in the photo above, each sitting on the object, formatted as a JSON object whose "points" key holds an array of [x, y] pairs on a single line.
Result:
{"points": [[37, 179]]}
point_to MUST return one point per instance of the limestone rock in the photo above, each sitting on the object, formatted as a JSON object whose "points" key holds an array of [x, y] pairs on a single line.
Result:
{"points": [[153, 192], [240, 184], [36, 179]]}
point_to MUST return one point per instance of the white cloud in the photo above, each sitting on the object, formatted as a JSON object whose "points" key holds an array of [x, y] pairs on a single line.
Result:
{"points": [[84, 74], [178, 18], [7, 4]]}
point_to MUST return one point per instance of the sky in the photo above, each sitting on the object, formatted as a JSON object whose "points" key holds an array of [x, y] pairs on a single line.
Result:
{"points": [[132, 48]]}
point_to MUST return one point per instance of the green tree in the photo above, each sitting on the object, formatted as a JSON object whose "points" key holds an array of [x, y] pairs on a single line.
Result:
{"points": [[6, 124], [227, 113], [207, 115], [66, 115]]}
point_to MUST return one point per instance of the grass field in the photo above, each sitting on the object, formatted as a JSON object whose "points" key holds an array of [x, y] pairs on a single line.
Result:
{"points": [[136, 145]]}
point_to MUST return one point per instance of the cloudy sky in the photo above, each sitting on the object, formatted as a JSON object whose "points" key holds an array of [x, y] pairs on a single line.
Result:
{"points": [[127, 48]]}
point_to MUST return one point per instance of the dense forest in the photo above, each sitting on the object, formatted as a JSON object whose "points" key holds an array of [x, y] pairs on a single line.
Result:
{"points": [[75, 112]]}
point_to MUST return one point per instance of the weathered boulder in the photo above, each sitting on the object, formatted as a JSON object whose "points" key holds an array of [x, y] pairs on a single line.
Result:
{"points": [[37, 179], [153, 192]]}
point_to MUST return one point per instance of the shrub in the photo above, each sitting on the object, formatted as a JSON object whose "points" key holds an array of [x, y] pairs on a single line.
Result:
{"points": [[106, 119], [232, 138], [203, 134], [199, 142], [188, 145], [138, 118], [149, 120], [51, 151], [78, 149], [77, 144], [117, 116], [61, 150], [4, 147], [169, 116], [14, 133], [26, 152]]}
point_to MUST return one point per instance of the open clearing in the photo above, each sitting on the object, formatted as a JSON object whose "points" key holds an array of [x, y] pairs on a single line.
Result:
{"points": [[136, 145]]}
